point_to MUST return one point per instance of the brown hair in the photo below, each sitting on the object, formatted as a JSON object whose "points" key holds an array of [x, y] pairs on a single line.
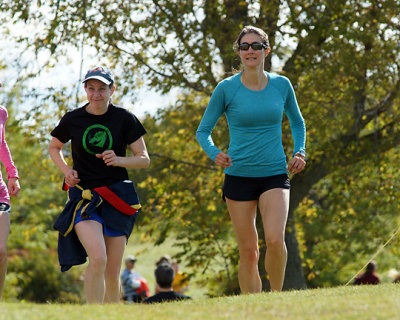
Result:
{"points": [[111, 85], [251, 29]]}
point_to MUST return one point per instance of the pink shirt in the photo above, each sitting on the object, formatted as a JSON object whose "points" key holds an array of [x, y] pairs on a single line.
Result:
{"points": [[5, 157]]}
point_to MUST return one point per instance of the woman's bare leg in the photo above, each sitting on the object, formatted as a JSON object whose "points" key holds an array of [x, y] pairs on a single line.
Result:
{"points": [[115, 247], [90, 234], [243, 216], [274, 207]]}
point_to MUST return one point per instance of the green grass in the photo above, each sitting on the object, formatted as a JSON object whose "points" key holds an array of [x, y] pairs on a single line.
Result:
{"points": [[352, 302]]}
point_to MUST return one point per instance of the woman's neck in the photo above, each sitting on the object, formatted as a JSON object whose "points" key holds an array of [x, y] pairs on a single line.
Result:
{"points": [[97, 110], [254, 79]]}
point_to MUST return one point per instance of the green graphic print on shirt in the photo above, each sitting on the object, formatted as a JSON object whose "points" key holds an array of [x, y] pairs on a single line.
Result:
{"points": [[96, 139]]}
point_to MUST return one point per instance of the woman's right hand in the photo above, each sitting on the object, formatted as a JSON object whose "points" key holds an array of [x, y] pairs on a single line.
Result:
{"points": [[13, 187], [223, 160], [71, 178]]}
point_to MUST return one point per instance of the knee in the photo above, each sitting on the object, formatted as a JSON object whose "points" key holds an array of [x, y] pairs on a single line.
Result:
{"points": [[98, 261], [275, 242], [249, 255], [3, 254]]}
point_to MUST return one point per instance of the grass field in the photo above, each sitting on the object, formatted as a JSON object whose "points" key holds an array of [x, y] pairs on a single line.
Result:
{"points": [[361, 302]]}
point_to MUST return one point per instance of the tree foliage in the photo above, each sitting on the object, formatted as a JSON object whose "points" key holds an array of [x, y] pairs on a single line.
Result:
{"points": [[347, 218], [342, 58]]}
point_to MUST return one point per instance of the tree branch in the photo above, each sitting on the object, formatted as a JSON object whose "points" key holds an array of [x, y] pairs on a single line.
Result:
{"points": [[179, 32], [153, 154], [381, 107], [137, 57]]}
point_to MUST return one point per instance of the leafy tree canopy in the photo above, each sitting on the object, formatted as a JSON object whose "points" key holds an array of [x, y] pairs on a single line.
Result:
{"points": [[342, 58]]}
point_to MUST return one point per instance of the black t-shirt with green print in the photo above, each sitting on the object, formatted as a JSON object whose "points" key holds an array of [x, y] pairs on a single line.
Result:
{"points": [[92, 134]]}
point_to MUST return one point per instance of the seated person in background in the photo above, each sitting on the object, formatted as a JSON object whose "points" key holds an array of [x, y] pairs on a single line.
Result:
{"points": [[369, 276], [181, 279], [134, 285], [395, 275], [166, 258], [164, 274]]}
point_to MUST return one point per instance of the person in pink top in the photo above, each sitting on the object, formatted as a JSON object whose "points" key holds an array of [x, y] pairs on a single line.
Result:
{"points": [[5, 192]]}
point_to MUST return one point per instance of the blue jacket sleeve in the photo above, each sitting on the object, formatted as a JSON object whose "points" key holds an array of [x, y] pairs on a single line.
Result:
{"points": [[296, 120], [215, 109]]}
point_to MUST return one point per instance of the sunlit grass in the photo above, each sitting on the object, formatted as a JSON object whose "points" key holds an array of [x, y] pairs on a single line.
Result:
{"points": [[352, 302]]}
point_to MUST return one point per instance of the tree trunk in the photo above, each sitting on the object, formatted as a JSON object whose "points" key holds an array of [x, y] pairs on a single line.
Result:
{"points": [[294, 276]]}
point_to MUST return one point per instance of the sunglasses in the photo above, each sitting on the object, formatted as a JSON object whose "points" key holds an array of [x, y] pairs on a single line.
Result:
{"points": [[255, 46]]}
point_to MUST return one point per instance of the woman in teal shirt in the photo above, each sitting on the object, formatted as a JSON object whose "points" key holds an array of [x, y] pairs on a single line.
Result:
{"points": [[255, 163]]}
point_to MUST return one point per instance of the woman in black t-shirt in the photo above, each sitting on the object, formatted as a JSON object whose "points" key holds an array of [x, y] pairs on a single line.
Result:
{"points": [[100, 134]]}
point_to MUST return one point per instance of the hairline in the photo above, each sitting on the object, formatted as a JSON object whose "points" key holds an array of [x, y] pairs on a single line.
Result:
{"points": [[111, 85], [254, 30]]}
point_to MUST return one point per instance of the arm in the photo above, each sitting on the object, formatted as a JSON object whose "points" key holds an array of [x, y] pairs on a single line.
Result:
{"points": [[71, 175], [5, 157], [12, 172], [215, 109], [297, 124], [134, 283], [130, 280], [298, 128], [140, 158]]}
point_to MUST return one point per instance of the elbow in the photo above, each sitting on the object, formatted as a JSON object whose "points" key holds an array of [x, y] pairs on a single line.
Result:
{"points": [[198, 135], [139, 161], [142, 164], [146, 161], [203, 134]]}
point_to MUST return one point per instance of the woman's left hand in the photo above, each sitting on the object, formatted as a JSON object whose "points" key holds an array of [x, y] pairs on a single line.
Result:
{"points": [[109, 158], [297, 164]]}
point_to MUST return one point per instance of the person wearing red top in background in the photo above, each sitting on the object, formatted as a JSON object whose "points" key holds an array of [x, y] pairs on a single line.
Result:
{"points": [[369, 276]]}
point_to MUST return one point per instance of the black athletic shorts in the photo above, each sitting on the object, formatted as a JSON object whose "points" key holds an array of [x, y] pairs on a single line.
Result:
{"points": [[5, 207], [249, 188]]}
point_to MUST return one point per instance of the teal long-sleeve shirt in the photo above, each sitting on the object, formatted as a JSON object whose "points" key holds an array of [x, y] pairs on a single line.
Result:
{"points": [[255, 125]]}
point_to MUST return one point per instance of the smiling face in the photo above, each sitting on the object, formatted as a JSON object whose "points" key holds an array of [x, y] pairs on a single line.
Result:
{"points": [[252, 58], [98, 94]]}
